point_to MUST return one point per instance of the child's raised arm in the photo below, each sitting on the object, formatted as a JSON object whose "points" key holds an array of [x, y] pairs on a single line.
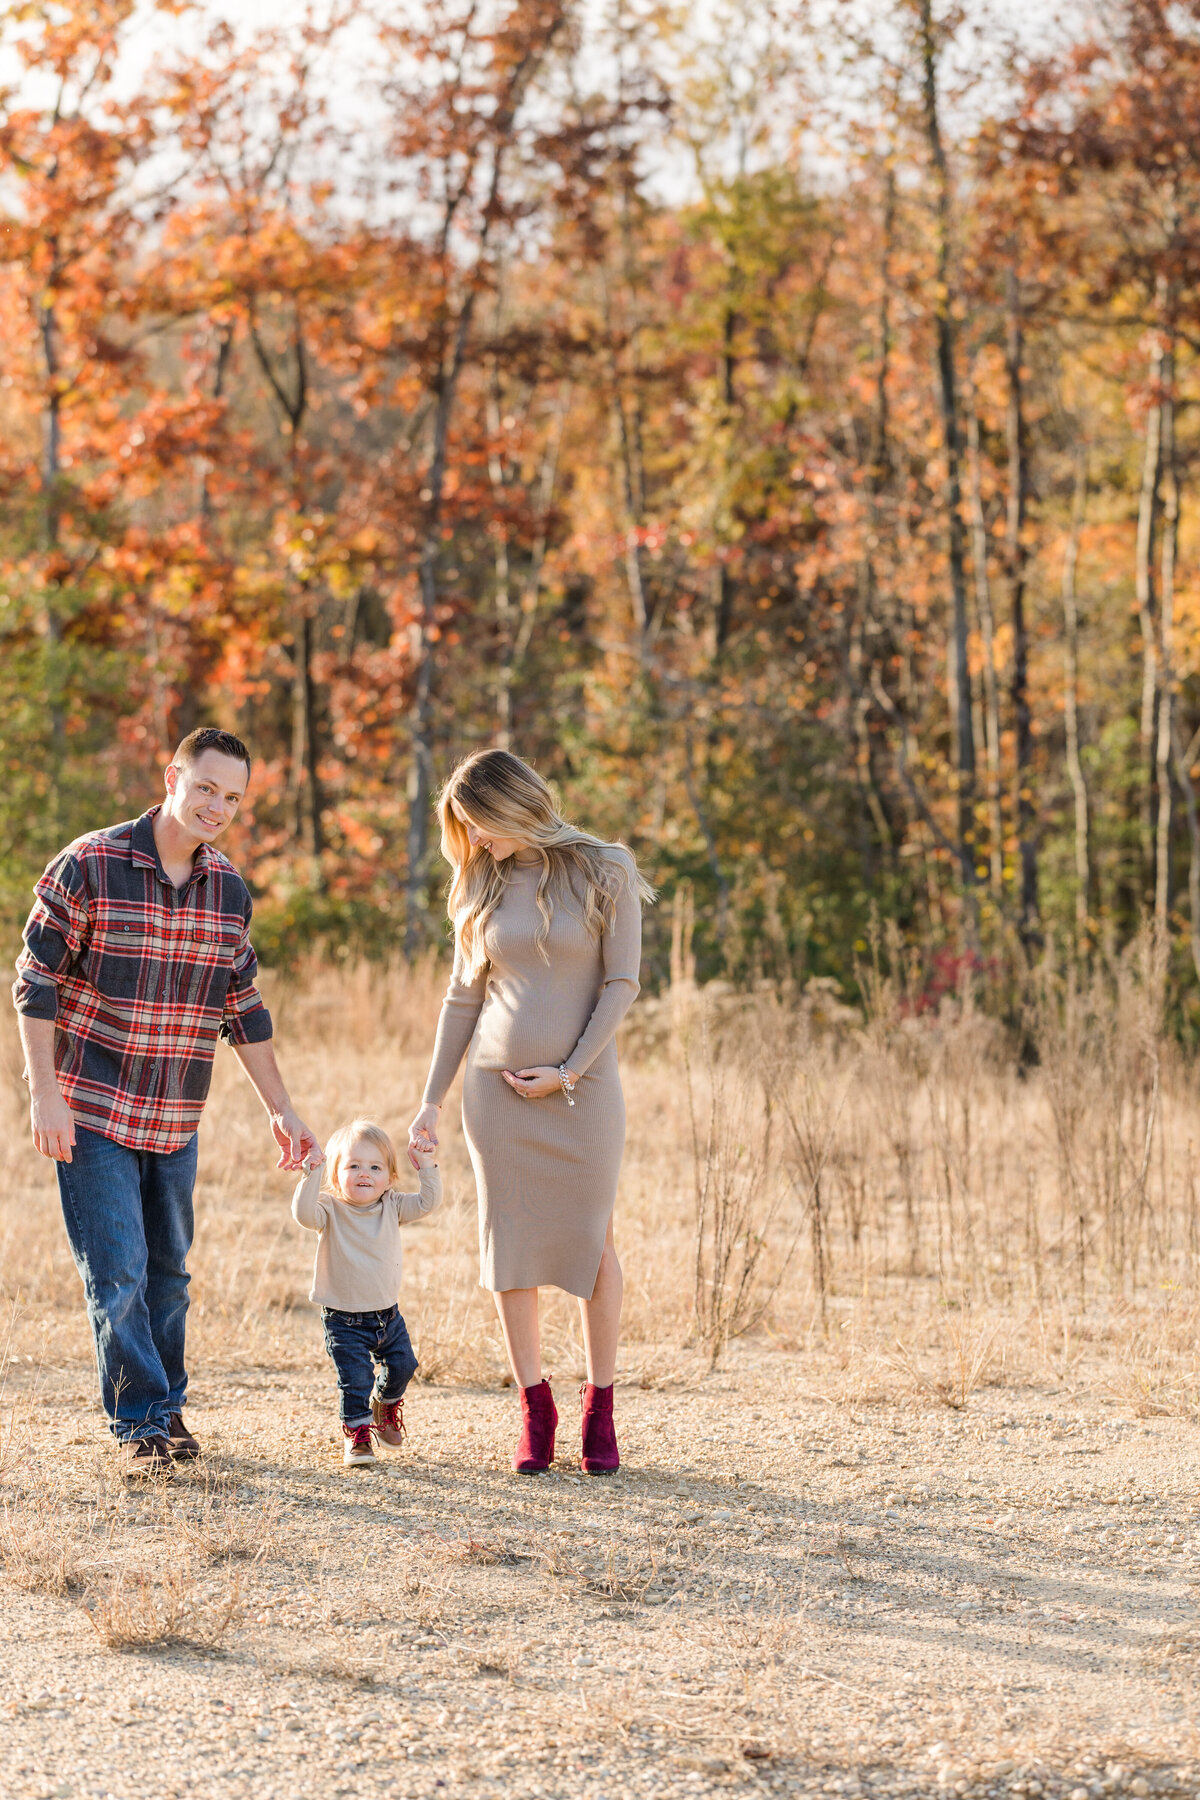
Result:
{"points": [[417, 1206], [307, 1209]]}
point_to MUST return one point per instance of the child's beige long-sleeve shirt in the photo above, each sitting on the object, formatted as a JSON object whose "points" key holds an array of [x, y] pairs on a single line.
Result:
{"points": [[357, 1267]]}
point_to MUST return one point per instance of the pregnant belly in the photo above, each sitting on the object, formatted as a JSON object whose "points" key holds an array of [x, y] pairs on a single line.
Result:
{"points": [[510, 1036]]}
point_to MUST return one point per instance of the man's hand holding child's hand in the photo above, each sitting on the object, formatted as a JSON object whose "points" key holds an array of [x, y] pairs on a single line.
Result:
{"points": [[297, 1143]]}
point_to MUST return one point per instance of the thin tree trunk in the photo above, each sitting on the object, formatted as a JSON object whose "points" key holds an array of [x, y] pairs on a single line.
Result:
{"points": [[987, 632], [723, 619], [312, 751], [878, 471], [1147, 525], [420, 781], [881, 453], [958, 668], [307, 800], [863, 767], [1070, 606], [521, 621], [1166, 617], [306, 803], [1183, 774], [50, 531], [631, 486], [1018, 491], [224, 349], [720, 879], [504, 604]]}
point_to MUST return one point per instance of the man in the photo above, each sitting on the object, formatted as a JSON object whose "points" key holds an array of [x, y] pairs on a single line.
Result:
{"points": [[137, 958]]}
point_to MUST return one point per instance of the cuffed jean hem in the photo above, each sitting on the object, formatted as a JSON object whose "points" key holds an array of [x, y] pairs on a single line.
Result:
{"points": [[353, 1424], [136, 1433], [373, 1357]]}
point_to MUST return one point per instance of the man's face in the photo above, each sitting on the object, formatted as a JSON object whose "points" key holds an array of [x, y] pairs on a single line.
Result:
{"points": [[204, 798]]}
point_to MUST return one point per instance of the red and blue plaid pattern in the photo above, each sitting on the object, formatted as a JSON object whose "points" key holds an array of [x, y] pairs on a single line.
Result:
{"points": [[141, 980]]}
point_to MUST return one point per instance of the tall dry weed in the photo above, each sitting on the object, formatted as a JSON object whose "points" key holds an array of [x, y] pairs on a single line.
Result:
{"points": [[41, 1551], [140, 1612]]}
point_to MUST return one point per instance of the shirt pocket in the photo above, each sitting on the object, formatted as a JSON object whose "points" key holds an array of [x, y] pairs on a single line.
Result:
{"points": [[121, 955], [206, 956]]}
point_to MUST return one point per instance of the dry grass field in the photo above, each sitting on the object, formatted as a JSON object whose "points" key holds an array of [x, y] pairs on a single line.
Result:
{"points": [[908, 1399]]}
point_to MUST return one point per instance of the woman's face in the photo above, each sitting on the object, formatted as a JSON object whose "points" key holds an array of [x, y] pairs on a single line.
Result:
{"points": [[491, 841]]}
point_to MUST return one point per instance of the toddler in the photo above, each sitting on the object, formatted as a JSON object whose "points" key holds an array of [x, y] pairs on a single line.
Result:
{"points": [[356, 1276]]}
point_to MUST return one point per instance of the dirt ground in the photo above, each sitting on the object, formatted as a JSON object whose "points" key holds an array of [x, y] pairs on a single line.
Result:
{"points": [[932, 1527], [779, 1592]]}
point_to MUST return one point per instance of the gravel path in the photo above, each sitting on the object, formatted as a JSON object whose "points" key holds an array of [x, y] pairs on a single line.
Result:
{"points": [[779, 1592]]}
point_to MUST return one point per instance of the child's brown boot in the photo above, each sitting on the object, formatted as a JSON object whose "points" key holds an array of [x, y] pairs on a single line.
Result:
{"points": [[356, 1445], [389, 1421]]}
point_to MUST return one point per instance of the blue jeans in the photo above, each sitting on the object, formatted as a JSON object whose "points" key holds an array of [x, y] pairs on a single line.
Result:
{"points": [[356, 1341], [128, 1215]]}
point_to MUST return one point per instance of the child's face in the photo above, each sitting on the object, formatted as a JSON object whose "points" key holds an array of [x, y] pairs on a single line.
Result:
{"points": [[362, 1174]]}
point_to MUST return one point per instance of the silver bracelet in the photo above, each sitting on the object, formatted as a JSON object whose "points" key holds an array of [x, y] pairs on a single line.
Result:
{"points": [[568, 1087]]}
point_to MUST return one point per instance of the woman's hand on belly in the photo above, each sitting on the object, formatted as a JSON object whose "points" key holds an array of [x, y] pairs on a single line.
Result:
{"points": [[535, 1084]]}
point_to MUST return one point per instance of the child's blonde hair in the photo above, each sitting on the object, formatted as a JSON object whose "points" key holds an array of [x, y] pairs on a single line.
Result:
{"points": [[341, 1140]]}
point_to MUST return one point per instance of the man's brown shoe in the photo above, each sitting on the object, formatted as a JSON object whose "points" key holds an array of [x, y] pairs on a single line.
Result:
{"points": [[184, 1447], [148, 1458]]}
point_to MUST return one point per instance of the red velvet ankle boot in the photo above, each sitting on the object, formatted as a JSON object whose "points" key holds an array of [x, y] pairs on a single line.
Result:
{"points": [[535, 1446], [600, 1455]]}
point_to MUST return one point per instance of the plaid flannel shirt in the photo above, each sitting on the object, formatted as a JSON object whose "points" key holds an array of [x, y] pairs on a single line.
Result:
{"points": [[140, 979]]}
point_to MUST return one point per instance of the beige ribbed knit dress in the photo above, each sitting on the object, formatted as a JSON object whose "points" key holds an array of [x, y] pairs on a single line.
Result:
{"points": [[546, 1172]]}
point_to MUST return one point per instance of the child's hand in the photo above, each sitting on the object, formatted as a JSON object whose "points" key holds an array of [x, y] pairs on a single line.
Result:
{"points": [[314, 1159], [420, 1157]]}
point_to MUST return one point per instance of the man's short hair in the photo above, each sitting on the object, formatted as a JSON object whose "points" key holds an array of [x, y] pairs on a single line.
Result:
{"points": [[207, 737]]}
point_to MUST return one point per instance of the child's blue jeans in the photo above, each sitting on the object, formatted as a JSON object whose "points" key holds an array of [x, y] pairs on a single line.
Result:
{"points": [[356, 1342]]}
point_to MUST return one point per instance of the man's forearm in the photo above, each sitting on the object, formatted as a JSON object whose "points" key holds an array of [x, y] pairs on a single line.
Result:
{"points": [[296, 1141], [50, 1118], [37, 1041], [262, 1071]]}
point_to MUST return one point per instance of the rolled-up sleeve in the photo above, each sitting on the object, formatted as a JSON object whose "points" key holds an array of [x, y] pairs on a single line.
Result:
{"points": [[55, 933], [245, 1019]]}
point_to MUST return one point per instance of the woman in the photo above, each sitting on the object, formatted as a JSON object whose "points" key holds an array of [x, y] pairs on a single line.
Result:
{"points": [[547, 946]]}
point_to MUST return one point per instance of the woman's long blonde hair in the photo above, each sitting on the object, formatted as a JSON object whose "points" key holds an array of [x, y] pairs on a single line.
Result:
{"points": [[498, 792]]}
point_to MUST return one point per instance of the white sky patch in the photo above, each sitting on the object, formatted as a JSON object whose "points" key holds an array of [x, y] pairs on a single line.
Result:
{"points": [[763, 92]]}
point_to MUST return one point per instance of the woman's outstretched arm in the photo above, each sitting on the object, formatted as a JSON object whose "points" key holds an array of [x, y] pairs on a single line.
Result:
{"points": [[456, 1025]]}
